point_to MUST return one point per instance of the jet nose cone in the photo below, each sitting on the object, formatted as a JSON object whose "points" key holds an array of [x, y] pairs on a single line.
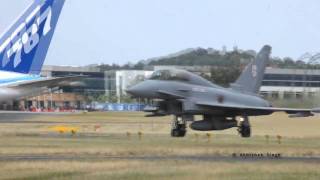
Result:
{"points": [[141, 90], [134, 90]]}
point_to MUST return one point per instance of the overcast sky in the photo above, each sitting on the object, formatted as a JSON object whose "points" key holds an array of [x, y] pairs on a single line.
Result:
{"points": [[119, 31]]}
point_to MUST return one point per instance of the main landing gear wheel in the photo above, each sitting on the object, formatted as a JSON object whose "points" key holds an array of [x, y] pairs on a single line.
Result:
{"points": [[178, 127], [244, 127]]}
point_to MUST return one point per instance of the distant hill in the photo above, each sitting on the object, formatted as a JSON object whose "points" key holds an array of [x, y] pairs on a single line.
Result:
{"points": [[204, 57], [172, 55], [225, 65], [235, 58]]}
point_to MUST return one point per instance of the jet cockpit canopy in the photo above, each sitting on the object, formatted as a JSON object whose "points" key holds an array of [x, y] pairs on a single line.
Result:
{"points": [[169, 75], [180, 75]]}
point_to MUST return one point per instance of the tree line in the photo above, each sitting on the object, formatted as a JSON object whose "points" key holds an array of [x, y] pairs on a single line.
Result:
{"points": [[225, 67]]}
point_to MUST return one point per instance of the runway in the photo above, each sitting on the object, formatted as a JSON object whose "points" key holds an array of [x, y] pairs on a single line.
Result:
{"points": [[101, 157]]}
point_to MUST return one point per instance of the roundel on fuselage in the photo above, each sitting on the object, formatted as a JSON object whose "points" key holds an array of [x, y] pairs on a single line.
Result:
{"points": [[220, 99]]}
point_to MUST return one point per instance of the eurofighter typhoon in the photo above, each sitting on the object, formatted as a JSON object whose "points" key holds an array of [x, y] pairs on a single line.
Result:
{"points": [[184, 94]]}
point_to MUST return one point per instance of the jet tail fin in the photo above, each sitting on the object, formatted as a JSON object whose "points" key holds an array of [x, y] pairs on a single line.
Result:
{"points": [[251, 78], [24, 46]]}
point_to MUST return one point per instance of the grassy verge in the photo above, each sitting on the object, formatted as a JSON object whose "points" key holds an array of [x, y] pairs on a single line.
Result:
{"points": [[116, 134]]}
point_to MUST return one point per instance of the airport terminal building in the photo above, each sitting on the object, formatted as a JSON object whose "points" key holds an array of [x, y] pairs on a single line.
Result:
{"points": [[290, 83], [79, 95], [68, 97], [277, 84]]}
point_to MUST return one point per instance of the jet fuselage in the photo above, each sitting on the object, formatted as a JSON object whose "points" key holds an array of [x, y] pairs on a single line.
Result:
{"points": [[190, 94]]}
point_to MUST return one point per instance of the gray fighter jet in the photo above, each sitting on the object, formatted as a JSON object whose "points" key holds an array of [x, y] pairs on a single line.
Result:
{"points": [[184, 94]]}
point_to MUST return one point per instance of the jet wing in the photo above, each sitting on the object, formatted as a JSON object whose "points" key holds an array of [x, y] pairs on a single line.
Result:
{"points": [[251, 110], [46, 82]]}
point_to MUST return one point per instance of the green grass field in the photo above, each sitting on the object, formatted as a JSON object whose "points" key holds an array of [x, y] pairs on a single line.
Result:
{"points": [[107, 146]]}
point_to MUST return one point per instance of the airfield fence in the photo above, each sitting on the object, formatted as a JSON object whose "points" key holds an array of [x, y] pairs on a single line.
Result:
{"points": [[119, 107]]}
